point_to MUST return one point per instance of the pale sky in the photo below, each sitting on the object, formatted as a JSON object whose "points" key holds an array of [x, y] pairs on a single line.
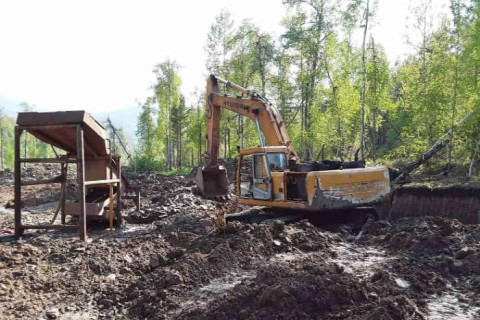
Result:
{"points": [[99, 55]]}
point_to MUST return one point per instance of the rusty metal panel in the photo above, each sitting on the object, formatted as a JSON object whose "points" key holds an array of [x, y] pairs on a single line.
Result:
{"points": [[93, 210], [58, 129], [97, 169]]}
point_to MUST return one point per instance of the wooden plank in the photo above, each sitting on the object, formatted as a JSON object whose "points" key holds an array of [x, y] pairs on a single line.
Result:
{"points": [[57, 179], [50, 118], [61, 143], [110, 212], [63, 191], [96, 182], [90, 150], [82, 221], [119, 193], [47, 160], [51, 226], [39, 126], [18, 187], [53, 128]]}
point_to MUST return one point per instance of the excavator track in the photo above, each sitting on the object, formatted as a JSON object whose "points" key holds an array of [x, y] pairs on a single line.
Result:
{"points": [[330, 220]]}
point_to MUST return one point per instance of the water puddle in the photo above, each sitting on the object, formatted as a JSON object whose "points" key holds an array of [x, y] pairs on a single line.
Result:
{"points": [[228, 282], [5, 210], [449, 306], [208, 293], [285, 257], [132, 230], [362, 261]]}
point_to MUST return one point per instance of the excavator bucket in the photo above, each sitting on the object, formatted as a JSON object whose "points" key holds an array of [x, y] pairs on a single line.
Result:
{"points": [[212, 182]]}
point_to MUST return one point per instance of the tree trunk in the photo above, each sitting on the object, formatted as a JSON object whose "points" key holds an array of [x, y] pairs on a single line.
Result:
{"points": [[439, 145], [454, 101], [179, 151], [169, 140], [472, 161], [364, 81], [2, 149], [240, 126], [199, 136], [225, 143], [228, 144]]}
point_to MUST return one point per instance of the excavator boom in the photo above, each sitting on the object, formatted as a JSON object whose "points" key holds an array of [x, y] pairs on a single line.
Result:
{"points": [[212, 179]]}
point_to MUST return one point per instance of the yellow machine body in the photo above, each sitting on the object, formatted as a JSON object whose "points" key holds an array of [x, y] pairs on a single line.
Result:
{"points": [[272, 174], [268, 184]]}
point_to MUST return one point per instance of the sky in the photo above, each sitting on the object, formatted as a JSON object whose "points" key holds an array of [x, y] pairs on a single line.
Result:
{"points": [[99, 55]]}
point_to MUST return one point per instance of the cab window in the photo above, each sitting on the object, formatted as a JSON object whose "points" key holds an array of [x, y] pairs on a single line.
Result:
{"points": [[276, 161], [260, 167]]}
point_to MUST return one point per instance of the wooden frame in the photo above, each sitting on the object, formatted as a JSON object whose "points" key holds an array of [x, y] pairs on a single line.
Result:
{"points": [[62, 178]]}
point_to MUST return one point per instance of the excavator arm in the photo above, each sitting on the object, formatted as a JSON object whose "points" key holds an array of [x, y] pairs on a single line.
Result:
{"points": [[211, 179]]}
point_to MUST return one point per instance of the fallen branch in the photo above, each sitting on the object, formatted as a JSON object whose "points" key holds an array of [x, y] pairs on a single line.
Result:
{"points": [[439, 145]]}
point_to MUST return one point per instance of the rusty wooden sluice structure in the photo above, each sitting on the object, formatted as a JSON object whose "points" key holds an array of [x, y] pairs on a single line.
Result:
{"points": [[98, 170]]}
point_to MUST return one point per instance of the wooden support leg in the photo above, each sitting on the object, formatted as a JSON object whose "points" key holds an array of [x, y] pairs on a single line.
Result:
{"points": [[82, 221], [137, 200], [18, 187], [64, 189], [119, 193], [110, 213]]}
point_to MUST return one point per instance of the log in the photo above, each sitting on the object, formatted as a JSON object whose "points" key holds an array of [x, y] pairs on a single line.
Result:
{"points": [[439, 145]]}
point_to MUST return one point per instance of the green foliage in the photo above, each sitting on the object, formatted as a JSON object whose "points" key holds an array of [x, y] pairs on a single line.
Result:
{"points": [[313, 73]]}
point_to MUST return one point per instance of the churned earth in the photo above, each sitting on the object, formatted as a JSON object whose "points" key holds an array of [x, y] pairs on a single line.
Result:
{"points": [[169, 262]]}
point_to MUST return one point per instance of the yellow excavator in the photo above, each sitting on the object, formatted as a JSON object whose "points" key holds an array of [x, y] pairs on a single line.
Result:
{"points": [[272, 174]]}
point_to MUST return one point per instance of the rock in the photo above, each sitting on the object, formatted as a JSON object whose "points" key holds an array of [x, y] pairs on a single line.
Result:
{"points": [[154, 261], [128, 259], [278, 226], [271, 295], [464, 252], [457, 267], [175, 253], [157, 260], [171, 278], [53, 313]]}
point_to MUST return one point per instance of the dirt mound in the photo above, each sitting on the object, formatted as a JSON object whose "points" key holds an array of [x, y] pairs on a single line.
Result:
{"points": [[164, 196], [168, 262], [311, 289], [199, 262], [461, 202], [435, 255]]}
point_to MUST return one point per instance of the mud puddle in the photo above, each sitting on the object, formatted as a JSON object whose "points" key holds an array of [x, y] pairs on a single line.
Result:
{"points": [[363, 261], [213, 290], [451, 305]]}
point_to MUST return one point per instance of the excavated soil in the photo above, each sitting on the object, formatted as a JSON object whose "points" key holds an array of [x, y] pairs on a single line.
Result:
{"points": [[169, 262]]}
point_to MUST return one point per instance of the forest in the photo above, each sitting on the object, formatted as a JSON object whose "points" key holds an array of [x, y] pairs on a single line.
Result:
{"points": [[336, 97]]}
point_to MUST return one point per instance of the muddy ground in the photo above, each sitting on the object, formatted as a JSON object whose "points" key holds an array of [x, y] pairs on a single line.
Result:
{"points": [[168, 262]]}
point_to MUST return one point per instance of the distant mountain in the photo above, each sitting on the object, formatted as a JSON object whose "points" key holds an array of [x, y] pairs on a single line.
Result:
{"points": [[11, 106]]}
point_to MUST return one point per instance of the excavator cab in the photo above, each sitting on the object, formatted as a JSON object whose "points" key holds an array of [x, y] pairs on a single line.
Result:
{"points": [[212, 181]]}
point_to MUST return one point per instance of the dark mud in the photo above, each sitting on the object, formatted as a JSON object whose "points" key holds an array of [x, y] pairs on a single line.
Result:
{"points": [[168, 262]]}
